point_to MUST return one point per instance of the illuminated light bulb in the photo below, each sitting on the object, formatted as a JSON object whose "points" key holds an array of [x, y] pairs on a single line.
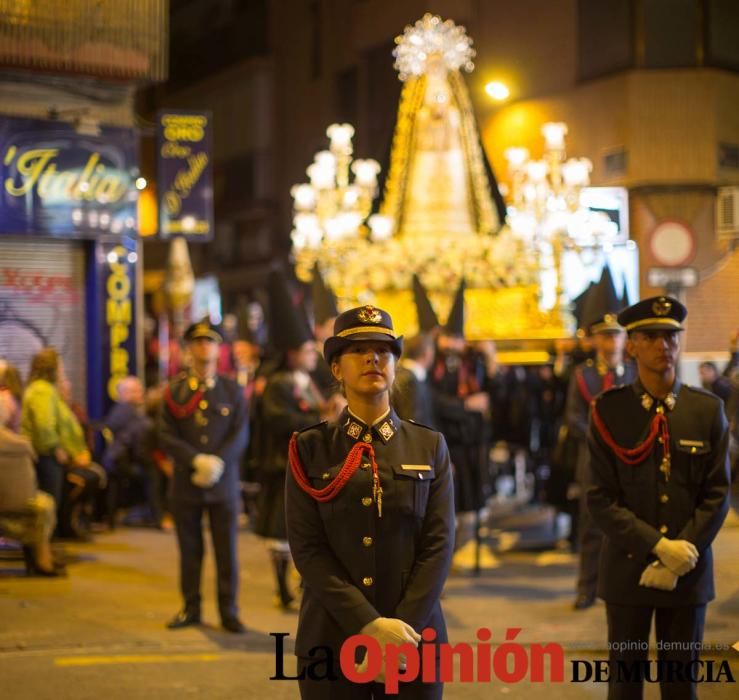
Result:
{"points": [[307, 223], [341, 136], [576, 171], [537, 170], [321, 177], [350, 198], [381, 227], [497, 90], [304, 196], [516, 156], [554, 135], [334, 228], [366, 171]]}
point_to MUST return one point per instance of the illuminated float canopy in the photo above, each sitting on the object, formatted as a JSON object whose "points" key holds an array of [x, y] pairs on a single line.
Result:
{"points": [[437, 216]]}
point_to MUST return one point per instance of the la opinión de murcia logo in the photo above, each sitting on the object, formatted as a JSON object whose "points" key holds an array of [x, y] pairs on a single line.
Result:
{"points": [[510, 662]]}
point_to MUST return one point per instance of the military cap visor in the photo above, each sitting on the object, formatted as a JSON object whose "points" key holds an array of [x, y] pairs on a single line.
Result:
{"points": [[203, 330], [608, 323], [654, 314], [364, 323]]}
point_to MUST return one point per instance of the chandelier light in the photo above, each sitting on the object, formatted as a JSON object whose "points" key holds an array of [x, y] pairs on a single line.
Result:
{"points": [[333, 207]]}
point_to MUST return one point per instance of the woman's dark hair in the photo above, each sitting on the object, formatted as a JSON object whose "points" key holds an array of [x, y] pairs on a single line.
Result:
{"points": [[45, 365]]}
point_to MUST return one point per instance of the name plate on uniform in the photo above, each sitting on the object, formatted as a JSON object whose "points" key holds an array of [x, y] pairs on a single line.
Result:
{"points": [[692, 443], [416, 467]]}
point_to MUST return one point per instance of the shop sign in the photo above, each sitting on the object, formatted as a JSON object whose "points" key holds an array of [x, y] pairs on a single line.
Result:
{"points": [[185, 175], [55, 181], [112, 322]]}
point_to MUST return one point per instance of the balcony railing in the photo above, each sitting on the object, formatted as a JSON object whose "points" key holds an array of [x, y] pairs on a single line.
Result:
{"points": [[117, 39]]}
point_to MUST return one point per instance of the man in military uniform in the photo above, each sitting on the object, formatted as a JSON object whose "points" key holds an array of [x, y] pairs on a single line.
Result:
{"points": [[587, 381], [659, 461], [205, 430]]}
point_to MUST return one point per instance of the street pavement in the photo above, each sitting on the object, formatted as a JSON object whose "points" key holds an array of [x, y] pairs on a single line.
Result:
{"points": [[99, 633]]}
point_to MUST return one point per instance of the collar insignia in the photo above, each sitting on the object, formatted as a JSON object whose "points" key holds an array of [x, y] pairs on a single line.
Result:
{"points": [[670, 401], [647, 401], [386, 430], [661, 307], [369, 314], [354, 430]]}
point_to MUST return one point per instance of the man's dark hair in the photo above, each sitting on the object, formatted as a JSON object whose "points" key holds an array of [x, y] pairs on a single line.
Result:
{"points": [[416, 346]]}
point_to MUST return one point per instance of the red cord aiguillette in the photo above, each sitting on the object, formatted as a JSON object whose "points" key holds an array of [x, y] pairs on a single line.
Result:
{"points": [[332, 490]]}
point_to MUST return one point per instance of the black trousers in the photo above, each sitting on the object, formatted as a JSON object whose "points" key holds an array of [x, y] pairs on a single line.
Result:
{"points": [[680, 627], [80, 487], [223, 519], [590, 541], [342, 689]]}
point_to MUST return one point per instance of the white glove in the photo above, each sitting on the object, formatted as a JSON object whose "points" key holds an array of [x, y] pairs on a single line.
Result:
{"points": [[208, 469], [388, 630], [658, 576], [679, 556]]}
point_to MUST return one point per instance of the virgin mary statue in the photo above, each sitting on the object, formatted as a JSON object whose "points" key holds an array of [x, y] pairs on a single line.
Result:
{"points": [[438, 182]]}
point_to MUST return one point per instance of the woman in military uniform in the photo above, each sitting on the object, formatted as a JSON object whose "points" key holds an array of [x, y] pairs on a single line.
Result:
{"points": [[370, 514]]}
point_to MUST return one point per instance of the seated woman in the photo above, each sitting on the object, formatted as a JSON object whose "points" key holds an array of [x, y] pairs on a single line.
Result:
{"points": [[82, 477], [26, 514]]}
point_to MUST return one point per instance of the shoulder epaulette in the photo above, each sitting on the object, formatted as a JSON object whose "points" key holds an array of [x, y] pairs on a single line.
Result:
{"points": [[420, 425], [611, 391], [700, 390], [311, 427]]}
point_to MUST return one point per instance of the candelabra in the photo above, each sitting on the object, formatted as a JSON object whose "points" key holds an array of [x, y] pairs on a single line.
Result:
{"points": [[333, 207], [545, 210]]}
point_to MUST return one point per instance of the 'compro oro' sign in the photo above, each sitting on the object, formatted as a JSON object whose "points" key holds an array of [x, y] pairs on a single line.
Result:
{"points": [[185, 175]]}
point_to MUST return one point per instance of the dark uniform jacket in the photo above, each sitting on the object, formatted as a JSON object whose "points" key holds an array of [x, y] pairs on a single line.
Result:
{"points": [[636, 505], [355, 565], [587, 381], [218, 425], [453, 379], [284, 412], [412, 397]]}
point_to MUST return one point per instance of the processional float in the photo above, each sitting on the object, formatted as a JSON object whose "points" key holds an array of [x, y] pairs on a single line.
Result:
{"points": [[440, 215]]}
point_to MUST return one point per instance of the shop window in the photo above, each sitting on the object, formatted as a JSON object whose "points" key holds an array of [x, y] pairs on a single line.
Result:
{"points": [[728, 156], [604, 37], [615, 162], [722, 23], [672, 33], [347, 93]]}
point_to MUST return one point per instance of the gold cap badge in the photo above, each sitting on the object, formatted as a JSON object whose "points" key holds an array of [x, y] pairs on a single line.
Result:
{"points": [[369, 314], [661, 307]]}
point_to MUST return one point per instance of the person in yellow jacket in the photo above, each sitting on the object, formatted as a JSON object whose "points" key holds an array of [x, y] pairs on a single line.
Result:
{"points": [[64, 468]]}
